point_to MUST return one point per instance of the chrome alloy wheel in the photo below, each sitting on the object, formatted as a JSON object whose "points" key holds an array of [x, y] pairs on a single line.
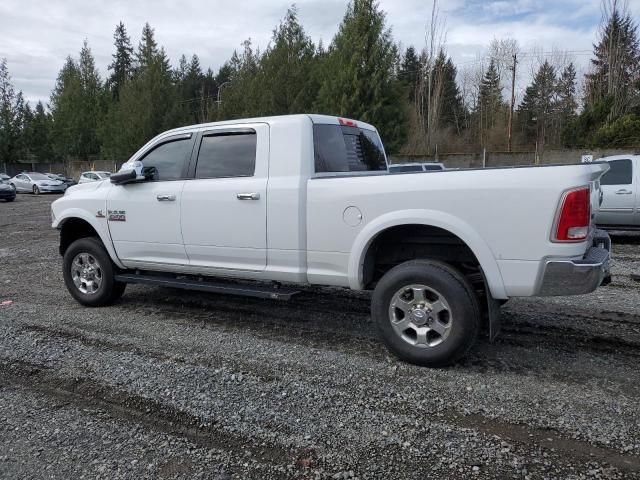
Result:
{"points": [[420, 316], [86, 273]]}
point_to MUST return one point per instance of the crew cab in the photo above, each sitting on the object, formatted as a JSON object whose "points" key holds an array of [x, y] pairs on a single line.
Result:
{"points": [[257, 206], [620, 209]]}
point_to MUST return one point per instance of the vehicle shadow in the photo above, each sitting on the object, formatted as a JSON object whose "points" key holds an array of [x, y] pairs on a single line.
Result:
{"points": [[625, 238]]}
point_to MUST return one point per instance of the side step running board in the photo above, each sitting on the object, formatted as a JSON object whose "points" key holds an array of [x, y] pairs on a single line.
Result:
{"points": [[204, 285]]}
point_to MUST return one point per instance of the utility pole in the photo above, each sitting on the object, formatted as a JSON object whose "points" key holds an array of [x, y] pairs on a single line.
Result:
{"points": [[513, 97], [218, 99]]}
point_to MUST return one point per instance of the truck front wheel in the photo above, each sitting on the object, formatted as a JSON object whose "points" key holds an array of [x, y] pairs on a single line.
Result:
{"points": [[426, 312], [89, 273]]}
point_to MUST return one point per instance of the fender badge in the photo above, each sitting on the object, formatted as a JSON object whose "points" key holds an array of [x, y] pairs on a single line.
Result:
{"points": [[117, 216], [99, 214]]}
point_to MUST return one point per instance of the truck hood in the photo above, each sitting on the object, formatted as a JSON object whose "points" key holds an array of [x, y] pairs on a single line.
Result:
{"points": [[83, 187]]}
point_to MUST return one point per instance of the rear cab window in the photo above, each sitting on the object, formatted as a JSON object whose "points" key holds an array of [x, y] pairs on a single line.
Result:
{"points": [[346, 148]]}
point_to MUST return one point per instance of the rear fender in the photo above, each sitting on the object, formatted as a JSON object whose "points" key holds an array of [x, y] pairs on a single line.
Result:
{"points": [[428, 218]]}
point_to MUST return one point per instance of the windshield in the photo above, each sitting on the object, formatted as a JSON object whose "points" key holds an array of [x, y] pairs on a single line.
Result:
{"points": [[103, 174], [38, 176]]}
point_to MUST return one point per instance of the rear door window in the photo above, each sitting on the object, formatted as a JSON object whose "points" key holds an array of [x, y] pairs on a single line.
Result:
{"points": [[620, 173], [339, 148], [227, 155]]}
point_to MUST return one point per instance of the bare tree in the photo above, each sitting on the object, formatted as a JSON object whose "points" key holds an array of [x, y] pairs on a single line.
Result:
{"points": [[501, 51], [429, 96]]}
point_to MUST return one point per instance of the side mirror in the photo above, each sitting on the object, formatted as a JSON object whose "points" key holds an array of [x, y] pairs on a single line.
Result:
{"points": [[122, 178]]}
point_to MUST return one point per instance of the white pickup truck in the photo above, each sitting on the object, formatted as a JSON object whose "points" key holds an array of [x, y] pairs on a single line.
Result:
{"points": [[620, 208], [307, 199]]}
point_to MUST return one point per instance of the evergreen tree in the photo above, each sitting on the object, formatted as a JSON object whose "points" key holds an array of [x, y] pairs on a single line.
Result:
{"points": [[122, 65], [92, 104], [241, 95], [566, 103], [77, 107], [535, 113], [613, 86], [194, 97], [9, 131], [451, 106], [410, 71], [287, 84], [490, 103], [147, 49], [37, 134], [65, 102], [359, 78], [149, 103], [616, 66], [23, 117]]}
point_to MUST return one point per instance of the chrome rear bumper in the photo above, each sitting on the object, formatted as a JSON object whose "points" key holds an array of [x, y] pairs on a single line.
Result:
{"points": [[576, 277]]}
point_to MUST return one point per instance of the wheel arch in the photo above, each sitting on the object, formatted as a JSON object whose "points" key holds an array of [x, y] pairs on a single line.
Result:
{"points": [[425, 218], [78, 224]]}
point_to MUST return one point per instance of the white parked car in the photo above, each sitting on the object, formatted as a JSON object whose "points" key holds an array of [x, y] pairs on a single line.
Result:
{"points": [[307, 199], [620, 209], [86, 177], [36, 183]]}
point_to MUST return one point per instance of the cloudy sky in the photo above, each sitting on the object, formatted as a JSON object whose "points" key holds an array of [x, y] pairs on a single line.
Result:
{"points": [[37, 35]]}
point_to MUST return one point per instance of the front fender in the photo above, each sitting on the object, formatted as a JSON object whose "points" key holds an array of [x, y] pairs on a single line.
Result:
{"points": [[98, 224], [432, 218]]}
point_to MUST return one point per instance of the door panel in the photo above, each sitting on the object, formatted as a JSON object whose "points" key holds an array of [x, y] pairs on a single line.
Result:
{"points": [[224, 218], [619, 194], [143, 228], [144, 218], [21, 183]]}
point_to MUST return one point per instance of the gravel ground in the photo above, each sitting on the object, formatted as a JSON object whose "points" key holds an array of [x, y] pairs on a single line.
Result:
{"points": [[173, 384]]}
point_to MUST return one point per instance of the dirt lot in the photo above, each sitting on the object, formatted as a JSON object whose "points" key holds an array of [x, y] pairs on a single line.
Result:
{"points": [[172, 384]]}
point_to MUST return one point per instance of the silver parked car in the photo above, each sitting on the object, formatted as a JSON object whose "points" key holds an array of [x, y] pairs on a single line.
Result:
{"points": [[37, 183], [620, 208], [86, 177]]}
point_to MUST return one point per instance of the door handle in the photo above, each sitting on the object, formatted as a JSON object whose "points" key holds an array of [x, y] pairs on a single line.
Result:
{"points": [[248, 196], [623, 192], [166, 198]]}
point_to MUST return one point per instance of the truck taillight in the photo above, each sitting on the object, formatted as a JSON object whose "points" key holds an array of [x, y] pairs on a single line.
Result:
{"points": [[575, 216]]}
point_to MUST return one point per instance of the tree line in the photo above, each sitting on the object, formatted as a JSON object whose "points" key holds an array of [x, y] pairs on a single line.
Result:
{"points": [[417, 98]]}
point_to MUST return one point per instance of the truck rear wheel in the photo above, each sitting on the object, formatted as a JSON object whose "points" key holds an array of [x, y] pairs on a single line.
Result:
{"points": [[89, 273], [426, 313]]}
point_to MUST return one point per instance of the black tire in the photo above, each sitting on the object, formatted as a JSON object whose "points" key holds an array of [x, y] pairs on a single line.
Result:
{"points": [[36, 190], [10, 199], [109, 290], [442, 282]]}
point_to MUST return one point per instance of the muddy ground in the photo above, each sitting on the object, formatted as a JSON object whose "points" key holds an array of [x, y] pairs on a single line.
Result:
{"points": [[173, 384]]}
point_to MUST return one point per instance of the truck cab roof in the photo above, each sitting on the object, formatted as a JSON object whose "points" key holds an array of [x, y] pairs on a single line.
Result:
{"points": [[315, 118]]}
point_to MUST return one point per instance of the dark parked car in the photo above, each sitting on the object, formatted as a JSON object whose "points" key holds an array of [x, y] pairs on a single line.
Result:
{"points": [[69, 182], [7, 191]]}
